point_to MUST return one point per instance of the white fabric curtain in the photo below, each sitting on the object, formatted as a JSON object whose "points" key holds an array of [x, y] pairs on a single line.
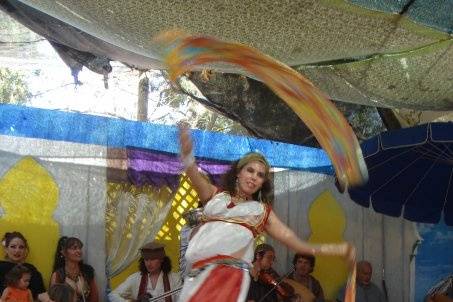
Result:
{"points": [[132, 222]]}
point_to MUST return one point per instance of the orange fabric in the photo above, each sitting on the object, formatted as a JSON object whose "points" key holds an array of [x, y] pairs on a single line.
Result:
{"points": [[222, 284], [351, 285], [18, 295]]}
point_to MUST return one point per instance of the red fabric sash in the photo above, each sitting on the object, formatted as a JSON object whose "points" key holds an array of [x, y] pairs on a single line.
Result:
{"points": [[167, 287], [224, 283], [143, 285]]}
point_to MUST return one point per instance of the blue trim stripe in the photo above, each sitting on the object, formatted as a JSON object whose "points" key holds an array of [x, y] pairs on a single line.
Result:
{"points": [[116, 133]]}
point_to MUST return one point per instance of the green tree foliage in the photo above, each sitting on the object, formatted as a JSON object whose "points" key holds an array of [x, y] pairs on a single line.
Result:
{"points": [[13, 87], [183, 99]]}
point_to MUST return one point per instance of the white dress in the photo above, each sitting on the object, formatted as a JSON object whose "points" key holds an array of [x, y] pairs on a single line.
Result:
{"points": [[228, 233]]}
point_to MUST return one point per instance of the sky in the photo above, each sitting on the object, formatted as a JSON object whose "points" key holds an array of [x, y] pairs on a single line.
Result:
{"points": [[434, 260], [52, 84]]}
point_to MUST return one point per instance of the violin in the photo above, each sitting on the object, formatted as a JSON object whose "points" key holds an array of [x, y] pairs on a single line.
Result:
{"points": [[284, 289], [149, 298]]}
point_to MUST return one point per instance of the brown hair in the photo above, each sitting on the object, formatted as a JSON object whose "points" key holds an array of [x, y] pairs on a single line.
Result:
{"points": [[261, 249], [11, 235], [13, 276], [61, 292], [308, 257], [165, 266], [265, 193]]}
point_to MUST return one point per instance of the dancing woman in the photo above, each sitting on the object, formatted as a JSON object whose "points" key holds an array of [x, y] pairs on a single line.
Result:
{"points": [[222, 249]]}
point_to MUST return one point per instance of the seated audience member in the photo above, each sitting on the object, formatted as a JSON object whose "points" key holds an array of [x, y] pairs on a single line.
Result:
{"points": [[69, 268], [153, 280], [17, 281], [62, 292], [16, 251], [366, 291], [304, 265]]}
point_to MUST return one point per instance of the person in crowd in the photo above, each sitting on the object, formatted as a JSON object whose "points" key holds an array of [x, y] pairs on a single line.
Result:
{"points": [[17, 281], [62, 292], [366, 291], [221, 251], [304, 265], [154, 279], [69, 268], [260, 289], [16, 251]]}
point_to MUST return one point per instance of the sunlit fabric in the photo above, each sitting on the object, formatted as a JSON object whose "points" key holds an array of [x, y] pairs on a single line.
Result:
{"points": [[346, 42], [115, 133], [133, 217]]}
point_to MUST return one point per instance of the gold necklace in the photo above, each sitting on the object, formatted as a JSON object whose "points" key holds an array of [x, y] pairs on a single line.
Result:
{"points": [[240, 196], [237, 198], [73, 275]]}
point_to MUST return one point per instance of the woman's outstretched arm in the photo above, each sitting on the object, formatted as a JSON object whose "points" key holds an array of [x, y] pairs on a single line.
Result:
{"points": [[203, 187], [281, 232]]}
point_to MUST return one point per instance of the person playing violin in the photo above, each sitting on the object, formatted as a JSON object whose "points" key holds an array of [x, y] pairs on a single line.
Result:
{"points": [[154, 278], [265, 285]]}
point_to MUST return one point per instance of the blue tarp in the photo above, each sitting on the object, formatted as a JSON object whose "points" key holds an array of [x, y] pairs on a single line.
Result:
{"points": [[116, 133]]}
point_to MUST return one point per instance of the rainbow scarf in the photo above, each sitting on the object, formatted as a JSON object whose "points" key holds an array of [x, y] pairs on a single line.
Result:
{"points": [[331, 129]]}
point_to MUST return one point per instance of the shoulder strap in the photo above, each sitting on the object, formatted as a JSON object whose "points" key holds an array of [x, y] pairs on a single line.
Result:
{"points": [[167, 287], [143, 284]]}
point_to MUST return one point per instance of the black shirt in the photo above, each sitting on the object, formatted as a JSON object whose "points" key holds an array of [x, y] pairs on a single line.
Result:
{"points": [[258, 290]]}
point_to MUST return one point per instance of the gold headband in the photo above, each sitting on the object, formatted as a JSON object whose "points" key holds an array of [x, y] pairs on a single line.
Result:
{"points": [[253, 156]]}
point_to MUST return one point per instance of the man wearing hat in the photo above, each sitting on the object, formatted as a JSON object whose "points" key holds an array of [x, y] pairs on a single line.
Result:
{"points": [[153, 280]]}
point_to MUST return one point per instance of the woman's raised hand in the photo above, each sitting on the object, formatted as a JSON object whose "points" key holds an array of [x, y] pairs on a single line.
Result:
{"points": [[185, 145]]}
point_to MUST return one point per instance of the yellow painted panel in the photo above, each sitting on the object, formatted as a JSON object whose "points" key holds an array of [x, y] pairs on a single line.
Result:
{"points": [[328, 222], [29, 196]]}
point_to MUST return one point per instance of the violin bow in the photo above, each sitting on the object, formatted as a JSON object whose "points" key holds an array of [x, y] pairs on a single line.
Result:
{"points": [[166, 294]]}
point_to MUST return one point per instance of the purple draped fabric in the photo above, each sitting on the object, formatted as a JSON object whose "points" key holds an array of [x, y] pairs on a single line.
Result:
{"points": [[147, 167]]}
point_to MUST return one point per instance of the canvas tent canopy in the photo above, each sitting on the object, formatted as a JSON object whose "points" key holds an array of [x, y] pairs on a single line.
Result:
{"points": [[385, 54]]}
